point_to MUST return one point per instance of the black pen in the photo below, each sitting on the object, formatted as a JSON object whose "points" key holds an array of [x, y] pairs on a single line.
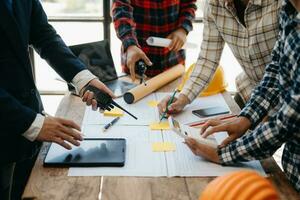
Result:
{"points": [[107, 126]]}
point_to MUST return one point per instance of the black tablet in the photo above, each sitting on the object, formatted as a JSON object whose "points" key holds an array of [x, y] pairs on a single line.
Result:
{"points": [[92, 152]]}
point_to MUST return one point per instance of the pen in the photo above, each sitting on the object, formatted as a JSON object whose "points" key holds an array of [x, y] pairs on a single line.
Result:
{"points": [[169, 103], [107, 126], [203, 122]]}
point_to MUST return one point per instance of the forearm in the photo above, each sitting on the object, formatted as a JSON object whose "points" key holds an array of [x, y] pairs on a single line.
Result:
{"points": [[122, 15], [199, 78], [266, 138], [208, 60], [264, 97], [187, 14], [266, 94], [79, 81]]}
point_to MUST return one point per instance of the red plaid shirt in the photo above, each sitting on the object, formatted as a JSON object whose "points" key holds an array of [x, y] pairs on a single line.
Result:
{"points": [[136, 20]]}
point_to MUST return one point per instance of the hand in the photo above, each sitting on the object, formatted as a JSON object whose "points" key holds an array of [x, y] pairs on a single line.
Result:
{"points": [[178, 38], [203, 150], [177, 105], [88, 96], [135, 54], [60, 130], [235, 128]]}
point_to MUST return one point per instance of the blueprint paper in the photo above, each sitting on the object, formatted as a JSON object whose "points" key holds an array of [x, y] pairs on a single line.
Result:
{"points": [[141, 161], [184, 163]]}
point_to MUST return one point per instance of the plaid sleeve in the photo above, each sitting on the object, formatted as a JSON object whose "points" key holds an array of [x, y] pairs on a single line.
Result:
{"points": [[122, 15], [280, 128], [208, 60], [187, 14], [268, 137], [266, 94]]}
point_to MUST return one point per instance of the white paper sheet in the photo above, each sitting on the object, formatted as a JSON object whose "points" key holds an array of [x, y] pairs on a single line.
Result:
{"points": [[140, 109], [184, 163], [140, 160], [186, 116]]}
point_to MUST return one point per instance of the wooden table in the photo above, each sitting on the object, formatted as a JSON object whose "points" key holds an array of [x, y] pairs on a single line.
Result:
{"points": [[54, 184]]}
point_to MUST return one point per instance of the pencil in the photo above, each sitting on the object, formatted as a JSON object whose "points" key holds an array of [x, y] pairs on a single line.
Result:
{"points": [[169, 103]]}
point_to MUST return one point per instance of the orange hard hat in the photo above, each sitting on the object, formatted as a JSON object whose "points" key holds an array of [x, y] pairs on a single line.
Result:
{"points": [[240, 185], [217, 85]]}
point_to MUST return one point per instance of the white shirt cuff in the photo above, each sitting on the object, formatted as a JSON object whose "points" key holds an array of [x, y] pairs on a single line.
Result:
{"points": [[82, 79], [35, 128]]}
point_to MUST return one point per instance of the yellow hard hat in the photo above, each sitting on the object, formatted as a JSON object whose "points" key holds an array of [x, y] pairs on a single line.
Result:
{"points": [[240, 185], [217, 85]]}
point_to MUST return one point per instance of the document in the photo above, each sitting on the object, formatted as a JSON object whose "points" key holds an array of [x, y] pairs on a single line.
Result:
{"points": [[170, 156], [184, 163], [156, 151]]}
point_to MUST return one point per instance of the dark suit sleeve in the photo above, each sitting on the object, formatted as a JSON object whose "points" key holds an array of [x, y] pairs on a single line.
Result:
{"points": [[50, 46], [14, 117]]}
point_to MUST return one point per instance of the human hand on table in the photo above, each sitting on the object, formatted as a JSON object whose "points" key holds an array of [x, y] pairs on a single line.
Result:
{"points": [[135, 54], [205, 151], [176, 107], [235, 128], [60, 131], [178, 38], [88, 96]]}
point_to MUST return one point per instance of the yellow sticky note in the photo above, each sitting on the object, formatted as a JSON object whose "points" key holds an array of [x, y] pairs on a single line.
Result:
{"points": [[115, 112], [152, 103], [160, 126], [163, 147]]}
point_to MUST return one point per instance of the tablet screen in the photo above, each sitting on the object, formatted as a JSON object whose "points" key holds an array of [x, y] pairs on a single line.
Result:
{"points": [[90, 153]]}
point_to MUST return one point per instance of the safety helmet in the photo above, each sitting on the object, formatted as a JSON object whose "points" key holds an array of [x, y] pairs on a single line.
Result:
{"points": [[217, 85], [240, 185]]}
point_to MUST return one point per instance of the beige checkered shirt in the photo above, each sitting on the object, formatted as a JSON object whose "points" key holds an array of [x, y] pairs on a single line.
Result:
{"points": [[251, 45]]}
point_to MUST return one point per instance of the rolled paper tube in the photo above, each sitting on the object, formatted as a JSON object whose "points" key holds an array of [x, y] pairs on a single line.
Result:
{"points": [[165, 42], [153, 84], [158, 42]]}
